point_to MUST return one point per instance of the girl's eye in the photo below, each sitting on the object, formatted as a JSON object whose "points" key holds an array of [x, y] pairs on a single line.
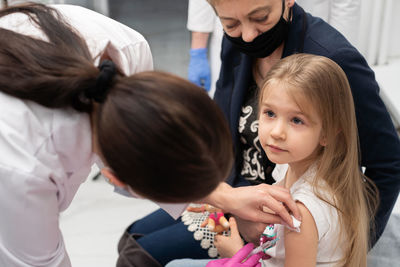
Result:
{"points": [[296, 120], [270, 113]]}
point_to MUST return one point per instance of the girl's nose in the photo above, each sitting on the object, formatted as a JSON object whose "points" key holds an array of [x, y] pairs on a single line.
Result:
{"points": [[279, 130]]}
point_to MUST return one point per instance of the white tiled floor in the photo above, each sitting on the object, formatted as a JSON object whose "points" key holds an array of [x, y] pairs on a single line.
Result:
{"points": [[94, 222]]}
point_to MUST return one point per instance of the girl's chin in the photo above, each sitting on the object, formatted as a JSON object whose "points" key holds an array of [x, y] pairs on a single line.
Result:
{"points": [[277, 160]]}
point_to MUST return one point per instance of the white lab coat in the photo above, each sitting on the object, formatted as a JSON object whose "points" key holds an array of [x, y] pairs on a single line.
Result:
{"points": [[202, 18], [47, 153], [344, 15]]}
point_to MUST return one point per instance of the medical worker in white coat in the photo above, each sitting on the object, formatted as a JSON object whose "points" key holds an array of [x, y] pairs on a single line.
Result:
{"points": [[204, 65], [69, 97]]}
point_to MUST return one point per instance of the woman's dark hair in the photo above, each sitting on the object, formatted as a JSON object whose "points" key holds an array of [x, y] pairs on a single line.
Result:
{"points": [[164, 137], [160, 134], [55, 72]]}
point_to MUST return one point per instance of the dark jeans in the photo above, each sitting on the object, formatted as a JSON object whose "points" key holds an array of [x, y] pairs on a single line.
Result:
{"points": [[166, 239]]}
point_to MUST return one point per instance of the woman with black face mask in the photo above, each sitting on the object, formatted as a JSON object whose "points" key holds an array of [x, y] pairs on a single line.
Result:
{"points": [[258, 33]]}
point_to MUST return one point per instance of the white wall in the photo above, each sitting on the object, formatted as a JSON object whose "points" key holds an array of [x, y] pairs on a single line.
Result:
{"points": [[394, 49], [379, 36]]}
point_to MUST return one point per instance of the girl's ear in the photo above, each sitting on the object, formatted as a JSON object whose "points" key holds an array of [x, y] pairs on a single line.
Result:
{"points": [[109, 174], [322, 140]]}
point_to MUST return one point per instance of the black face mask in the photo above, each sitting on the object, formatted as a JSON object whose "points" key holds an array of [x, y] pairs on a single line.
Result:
{"points": [[266, 43]]}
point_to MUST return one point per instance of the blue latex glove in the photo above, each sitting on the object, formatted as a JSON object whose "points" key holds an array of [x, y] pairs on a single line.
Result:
{"points": [[199, 68]]}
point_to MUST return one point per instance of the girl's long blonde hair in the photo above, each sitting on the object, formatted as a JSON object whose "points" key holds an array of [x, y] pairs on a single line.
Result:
{"points": [[319, 82]]}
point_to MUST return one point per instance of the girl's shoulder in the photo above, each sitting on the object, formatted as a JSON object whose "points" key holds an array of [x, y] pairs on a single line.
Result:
{"points": [[318, 202], [315, 200]]}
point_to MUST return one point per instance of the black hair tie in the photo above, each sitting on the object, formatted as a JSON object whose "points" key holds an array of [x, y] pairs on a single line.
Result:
{"points": [[103, 82]]}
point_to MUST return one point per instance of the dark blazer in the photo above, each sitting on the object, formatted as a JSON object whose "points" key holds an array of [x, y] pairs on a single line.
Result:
{"points": [[379, 142]]}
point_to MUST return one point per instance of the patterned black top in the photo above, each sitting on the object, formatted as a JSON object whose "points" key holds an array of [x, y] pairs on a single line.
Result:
{"points": [[252, 169]]}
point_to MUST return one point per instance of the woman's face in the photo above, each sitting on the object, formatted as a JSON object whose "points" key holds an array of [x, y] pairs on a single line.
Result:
{"points": [[250, 18]]}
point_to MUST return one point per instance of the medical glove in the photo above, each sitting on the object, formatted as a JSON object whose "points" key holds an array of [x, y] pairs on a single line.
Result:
{"points": [[199, 68], [238, 258]]}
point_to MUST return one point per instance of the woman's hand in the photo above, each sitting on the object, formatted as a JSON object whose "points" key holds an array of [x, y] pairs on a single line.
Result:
{"points": [[261, 203]]}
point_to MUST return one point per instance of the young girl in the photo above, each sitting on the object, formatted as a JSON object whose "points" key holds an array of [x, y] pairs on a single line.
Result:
{"points": [[307, 121], [307, 127]]}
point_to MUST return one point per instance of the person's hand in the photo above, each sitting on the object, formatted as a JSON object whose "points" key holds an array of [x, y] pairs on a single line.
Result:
{"points": [[199, 68], [261, 203], [250, 231], [237, 260], [228, 245]]}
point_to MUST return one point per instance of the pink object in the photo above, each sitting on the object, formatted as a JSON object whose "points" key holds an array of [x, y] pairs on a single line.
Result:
{"points": [[215, 216], [238, 258]]}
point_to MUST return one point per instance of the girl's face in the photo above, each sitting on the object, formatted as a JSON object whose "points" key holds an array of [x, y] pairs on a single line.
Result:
{"points": [[249, 18], [286, 133]]}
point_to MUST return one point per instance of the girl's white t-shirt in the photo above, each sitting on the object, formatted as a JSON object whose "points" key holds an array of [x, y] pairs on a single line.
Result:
{"points": [[325, 216]]}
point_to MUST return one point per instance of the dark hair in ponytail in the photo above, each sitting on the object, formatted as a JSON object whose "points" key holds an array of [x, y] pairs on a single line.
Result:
{"points": [[165, 137], [55, 72], [161, 134]]}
